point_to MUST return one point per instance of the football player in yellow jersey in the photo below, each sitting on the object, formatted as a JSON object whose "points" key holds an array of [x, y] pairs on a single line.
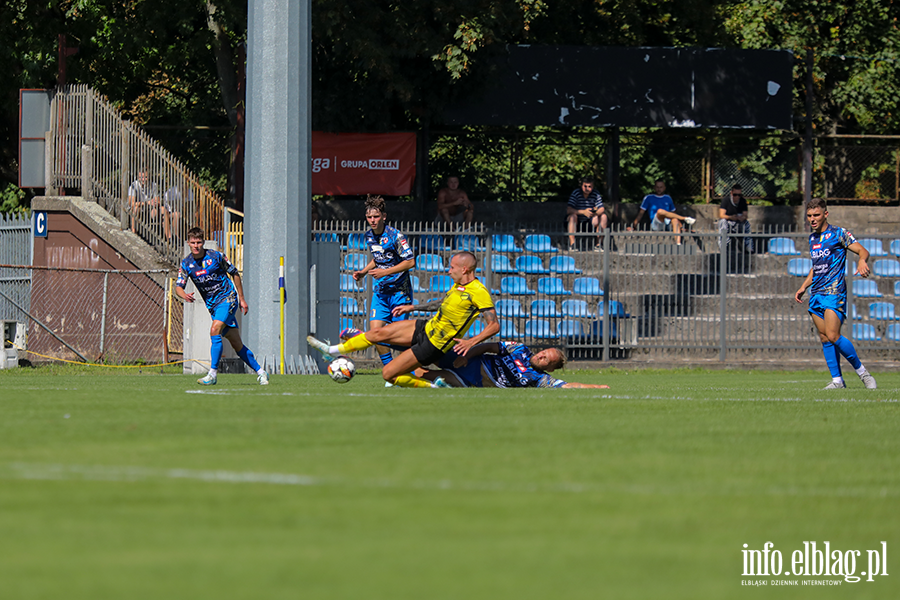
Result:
{"points": [[429, 340]]}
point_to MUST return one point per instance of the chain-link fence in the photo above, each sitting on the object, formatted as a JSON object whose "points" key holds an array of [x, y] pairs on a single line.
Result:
{"points": [[94, 315]]}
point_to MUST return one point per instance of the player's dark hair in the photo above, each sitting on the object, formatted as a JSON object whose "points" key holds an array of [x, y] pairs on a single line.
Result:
{"points": [[589, 180], [737, 186], [195, 233], [817, 203], [376, 203]]}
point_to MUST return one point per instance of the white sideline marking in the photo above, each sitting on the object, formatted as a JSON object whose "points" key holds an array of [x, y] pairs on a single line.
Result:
{"points": [[61, 472]]}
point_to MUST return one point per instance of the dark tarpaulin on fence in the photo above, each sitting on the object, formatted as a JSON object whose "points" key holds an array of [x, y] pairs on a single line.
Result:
{"points": [[633, 87]]}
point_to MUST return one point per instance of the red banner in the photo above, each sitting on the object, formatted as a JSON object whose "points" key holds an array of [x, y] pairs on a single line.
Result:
{"points": [[352, 164]]}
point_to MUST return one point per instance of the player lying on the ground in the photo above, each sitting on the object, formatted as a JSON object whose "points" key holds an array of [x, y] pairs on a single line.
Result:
{"points": [[428, 341], [209, 270], [505, 365]]}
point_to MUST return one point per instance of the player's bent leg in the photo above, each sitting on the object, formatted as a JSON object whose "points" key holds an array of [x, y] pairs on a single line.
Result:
{"points": [[398, 371]]}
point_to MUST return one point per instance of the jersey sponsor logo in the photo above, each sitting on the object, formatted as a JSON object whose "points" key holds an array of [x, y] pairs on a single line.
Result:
{"points": [[520, 365], [816, 246], [460, 289], [817, 254], [199, 273], [377, 248]]}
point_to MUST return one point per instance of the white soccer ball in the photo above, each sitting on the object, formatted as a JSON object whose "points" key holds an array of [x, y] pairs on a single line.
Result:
{"points": [[341, 369]]}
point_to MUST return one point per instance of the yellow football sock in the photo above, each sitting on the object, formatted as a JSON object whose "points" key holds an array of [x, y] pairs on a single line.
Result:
{"points": [[354, 344], [411, 381]]}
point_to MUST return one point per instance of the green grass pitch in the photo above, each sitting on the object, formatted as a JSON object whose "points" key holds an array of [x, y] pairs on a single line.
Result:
{"points": [[147, 486]]}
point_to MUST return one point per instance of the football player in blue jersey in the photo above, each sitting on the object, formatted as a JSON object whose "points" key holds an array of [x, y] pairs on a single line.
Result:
{"points": [[210, 271], [828, 247], [505, 365], [392, 258]]}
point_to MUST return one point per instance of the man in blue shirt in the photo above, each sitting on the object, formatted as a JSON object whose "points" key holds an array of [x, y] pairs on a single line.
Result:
{"points": [[585, 206], [392, 258], [505, 365], [828, 247], [209, 270], [662, 212]]}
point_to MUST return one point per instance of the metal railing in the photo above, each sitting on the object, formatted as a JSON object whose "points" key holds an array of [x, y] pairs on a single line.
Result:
{"points": [[15, 249], [113, 162], [718, 296]]}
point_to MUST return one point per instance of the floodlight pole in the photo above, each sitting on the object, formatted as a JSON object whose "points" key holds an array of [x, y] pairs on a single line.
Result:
{"points": [[277, 176]]}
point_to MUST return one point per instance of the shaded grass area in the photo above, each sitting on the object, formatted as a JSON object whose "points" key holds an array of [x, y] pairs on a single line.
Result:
{"points": [[141, 485]]}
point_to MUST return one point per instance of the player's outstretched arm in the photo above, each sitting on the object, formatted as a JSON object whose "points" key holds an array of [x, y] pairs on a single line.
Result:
{"points": [[491, 329], [573, 385]]}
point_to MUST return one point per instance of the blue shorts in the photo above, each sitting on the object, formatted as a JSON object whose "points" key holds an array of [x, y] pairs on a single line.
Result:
{"points": [[383, 304], [469, 375], [225, 311], [819, 303]]}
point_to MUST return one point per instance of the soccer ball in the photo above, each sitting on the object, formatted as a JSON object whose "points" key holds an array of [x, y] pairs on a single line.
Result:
{"points": [[341, 369]]}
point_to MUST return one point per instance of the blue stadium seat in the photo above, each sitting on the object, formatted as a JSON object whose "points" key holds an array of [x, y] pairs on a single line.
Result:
{"points": [[799, 267], [544, 308], [500, 264], [854, 314], [348, 284], [468, 242], [504, 243], [515, 286], [569, 328], [576, 308], [326, 237], [349, 306], [509, 307], [893, 332], [440, 284], [508, 331], [616, 309], [355, 262], [851, 268], [781, 246], [432, 243], [887, 267], [895, 248], [865, 332], [476, 328], [356, 241], [538, 329], [597, 330], [430, 262], [563, 264], [552, 286], [864, 288], [897, 288], [530, 264], [588, 286], [882, 311], [874, 247], [537, 242], [417, 285]]}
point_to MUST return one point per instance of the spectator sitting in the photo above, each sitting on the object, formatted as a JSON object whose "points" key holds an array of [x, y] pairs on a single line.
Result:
{"points": [[143, 200], [733, 217], [662, 212], [585, 206], [453, 204]]}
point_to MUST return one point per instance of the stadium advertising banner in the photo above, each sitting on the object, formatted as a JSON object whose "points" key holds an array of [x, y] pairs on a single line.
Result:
{"points": [[349, 164]]}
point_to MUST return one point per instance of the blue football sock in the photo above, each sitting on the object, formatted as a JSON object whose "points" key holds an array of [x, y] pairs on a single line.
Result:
{"points": [[248, 358], [831, 359], [386, 358], [846, 348], [215, 351]]}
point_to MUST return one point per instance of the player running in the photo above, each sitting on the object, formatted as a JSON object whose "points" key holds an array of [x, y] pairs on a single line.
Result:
{"points": [[392, 258], [828, 247], [505, 365], [209, 270], [429, 340]]}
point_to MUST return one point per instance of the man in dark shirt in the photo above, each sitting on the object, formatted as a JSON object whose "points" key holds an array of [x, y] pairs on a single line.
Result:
{"points": [[733, 216], [585, 206]]}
